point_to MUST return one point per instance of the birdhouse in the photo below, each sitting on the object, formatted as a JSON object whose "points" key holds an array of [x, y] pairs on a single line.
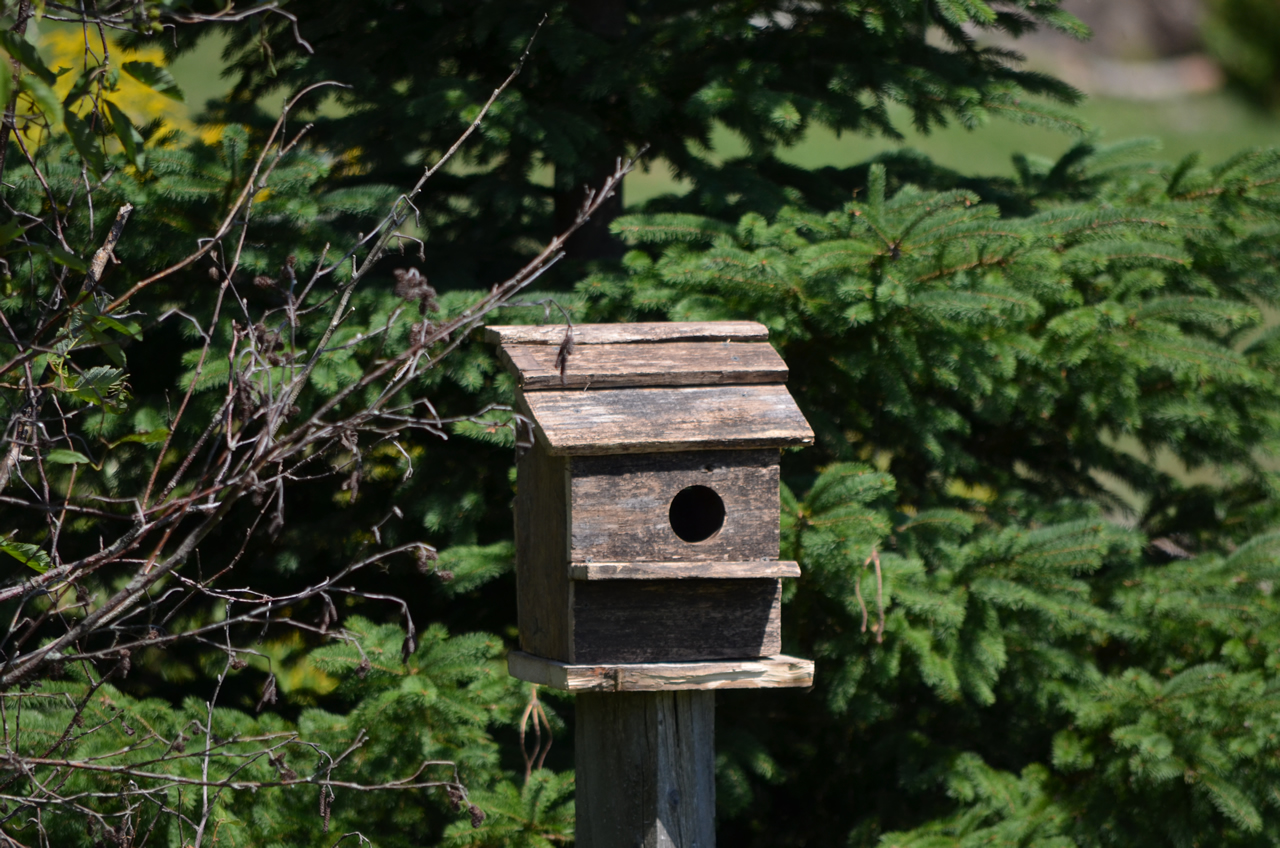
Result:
{"points": [[647, 507]]}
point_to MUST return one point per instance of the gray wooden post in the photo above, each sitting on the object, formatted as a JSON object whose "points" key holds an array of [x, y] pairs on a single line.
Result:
{"points": [[646, 774]]}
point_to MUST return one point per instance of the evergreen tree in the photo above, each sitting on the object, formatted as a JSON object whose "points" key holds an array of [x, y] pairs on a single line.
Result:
{"points": [[1010, 646]]}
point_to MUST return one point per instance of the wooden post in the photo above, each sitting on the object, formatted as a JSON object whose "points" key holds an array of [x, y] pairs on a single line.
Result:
{"points": [[646, 773]]}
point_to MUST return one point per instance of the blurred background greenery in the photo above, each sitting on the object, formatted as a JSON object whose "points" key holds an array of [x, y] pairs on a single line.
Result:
{"points": [[1200, 77]]}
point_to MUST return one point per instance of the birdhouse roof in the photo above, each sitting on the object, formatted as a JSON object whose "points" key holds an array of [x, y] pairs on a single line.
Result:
{"points": [[636, 388]]}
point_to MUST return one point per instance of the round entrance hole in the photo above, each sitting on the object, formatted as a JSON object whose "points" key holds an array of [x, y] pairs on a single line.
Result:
{"points": [[696, 514]]}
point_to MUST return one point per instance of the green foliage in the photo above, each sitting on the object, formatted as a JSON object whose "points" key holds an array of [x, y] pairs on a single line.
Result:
{"points": [[1171, 746], [537, 815], [403, 720], [1030, 627]]}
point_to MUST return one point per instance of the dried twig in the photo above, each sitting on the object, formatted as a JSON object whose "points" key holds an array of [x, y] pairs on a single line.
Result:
{"points": [[534, 759], [874, 558]]}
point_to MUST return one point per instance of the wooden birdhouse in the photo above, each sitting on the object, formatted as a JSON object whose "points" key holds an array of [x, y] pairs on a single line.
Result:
{"points": [[647, 508]]}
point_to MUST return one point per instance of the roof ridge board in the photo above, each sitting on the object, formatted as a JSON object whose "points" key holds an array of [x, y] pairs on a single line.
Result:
{"points": [[542, 367]]}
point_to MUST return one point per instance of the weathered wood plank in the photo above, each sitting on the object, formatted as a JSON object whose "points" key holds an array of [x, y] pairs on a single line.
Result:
{"points": [[645, 770], [777, 672], [676, 620], [665, 331], [681, 570], [613, 421], [543, 588], [622, 506], [621, 365]]}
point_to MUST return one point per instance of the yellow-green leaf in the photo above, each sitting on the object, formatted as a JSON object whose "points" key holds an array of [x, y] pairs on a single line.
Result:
{"points": [[154, 77], [46, 100], [25, 52], [6, 86], [61, 456], [86, 143], [129, 136], [151, 437], [29, 555]]}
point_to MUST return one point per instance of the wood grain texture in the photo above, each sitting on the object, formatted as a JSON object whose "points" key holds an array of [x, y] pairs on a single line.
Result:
{"points": [[666, 331], [622, 506], [621, 365], [776, 672], [650, 420], [642, 621], [681, 570], [645, 770], [543, 589]]}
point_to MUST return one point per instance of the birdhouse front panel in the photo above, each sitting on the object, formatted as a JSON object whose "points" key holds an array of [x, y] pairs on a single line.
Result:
{"points": [[690, 505], [647, 507]]}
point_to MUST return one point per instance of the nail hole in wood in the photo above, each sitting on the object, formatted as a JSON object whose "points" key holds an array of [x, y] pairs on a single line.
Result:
{"points": [[696, 514]]}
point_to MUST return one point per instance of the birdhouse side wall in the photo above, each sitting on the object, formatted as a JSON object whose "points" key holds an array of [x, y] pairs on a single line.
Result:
{"points": [[543, 590], [622, 506]]}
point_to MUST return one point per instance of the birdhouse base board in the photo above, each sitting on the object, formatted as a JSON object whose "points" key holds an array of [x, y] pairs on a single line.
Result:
{"points": [[778, 672]]}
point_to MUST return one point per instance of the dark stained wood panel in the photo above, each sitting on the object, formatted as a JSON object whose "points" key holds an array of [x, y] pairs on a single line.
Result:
{"points": [[542, 553], [616, 621], [614, 421], [665, 331], [621, 365], [681, 570], [776, 672], [621, 506]]}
